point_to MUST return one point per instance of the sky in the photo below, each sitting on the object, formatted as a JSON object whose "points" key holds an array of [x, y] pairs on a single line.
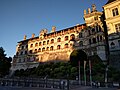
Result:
{"points": [[24, 17]]}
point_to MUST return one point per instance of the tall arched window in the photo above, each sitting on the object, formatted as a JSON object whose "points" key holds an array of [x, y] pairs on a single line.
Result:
{"points": [[35, 50], [47, 41], [22, 47], [58, 47], [47, 48], [51, 48], [44, 42], [39, 50], [30, 51], [80, 35], [101, 38], [59, 40], [31, 45], [40, 43], [72, 37], [66, 38], [26, 46], [90, 42], [94, 40], [36, 44], [52, 41], [43, 49], [66, 45], [98, 39], [25, 52]]}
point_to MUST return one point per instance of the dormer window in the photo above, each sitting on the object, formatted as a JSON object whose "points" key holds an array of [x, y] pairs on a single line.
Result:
{"points": [[117, 27], [112, 45], [115, 12]]}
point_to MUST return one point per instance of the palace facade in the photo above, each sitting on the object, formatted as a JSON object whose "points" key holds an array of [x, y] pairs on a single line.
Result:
{"points": [[112, 19], [59, 44]]}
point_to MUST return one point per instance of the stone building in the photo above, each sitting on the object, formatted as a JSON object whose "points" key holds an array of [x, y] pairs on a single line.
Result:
{"points": [[112, 19], [59, 44]]}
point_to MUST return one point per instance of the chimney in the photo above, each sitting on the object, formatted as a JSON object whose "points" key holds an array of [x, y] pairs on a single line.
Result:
{"points": [[53, 29], [25, 37], [89, 11], [33, 35], [85, 12]]}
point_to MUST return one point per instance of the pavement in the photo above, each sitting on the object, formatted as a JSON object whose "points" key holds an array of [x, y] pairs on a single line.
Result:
{"points": [[38, 88], [92, 88]]}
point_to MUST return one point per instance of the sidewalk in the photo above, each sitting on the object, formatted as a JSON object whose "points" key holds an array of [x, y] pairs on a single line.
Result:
{"points": [[90, 88]]}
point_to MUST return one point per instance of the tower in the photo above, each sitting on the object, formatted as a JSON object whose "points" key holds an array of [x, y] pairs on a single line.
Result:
{"points": [[92, 17]]}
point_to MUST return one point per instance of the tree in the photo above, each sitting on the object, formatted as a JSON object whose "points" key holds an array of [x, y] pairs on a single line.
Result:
{"points": [[77, 55], [5, 63]]}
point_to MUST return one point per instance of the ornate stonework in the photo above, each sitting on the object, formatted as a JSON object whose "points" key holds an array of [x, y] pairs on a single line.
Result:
{"points": [[58, 45]]}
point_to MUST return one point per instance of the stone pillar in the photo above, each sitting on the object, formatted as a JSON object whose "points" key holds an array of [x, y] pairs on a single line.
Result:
{"points": [[85, 12], [89, 11], [25, 37], [33, 35]]}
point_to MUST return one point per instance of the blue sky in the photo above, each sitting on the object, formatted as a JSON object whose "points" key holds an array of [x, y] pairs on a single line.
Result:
{"points": [[24, 17]]}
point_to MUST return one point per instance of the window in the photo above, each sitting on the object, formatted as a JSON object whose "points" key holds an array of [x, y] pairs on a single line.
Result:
{"points": [[117, 27], [47, 41], [66, 38], [43, 49], [80, 35], [94, 40], [58, 47], [101, 38], [17, 53], [112, 45], [31, 45], [66, 45], [52, 41], [51, 48], [25, 52], [115, 12], [59, 40], [44, 42], [19, 61], [72, 37], [39, 50], [93, 30], [26, 46], [98, 39], [47, 49], [89, 32], [119, 42], [21, 53], [89, 41], [96, 18], [22, 47], [36, 44], [30, 51], [35, 50], [40, 43], [99, 29], [81, 43]]}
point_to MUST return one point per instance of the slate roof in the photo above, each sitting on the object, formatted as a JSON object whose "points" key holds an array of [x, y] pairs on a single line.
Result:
{"points": [[109, 1]]}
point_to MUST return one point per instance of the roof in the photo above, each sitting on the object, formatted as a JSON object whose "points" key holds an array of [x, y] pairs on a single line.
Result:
{"points": [[51, 33], [109, 1]]}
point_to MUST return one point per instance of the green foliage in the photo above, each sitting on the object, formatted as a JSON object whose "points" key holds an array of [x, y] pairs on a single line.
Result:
{"points": [[5, 63], [77, 55], [62, 70]]}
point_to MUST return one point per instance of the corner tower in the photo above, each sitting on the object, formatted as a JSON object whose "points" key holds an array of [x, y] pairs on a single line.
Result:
{"points": [[92, 17]]}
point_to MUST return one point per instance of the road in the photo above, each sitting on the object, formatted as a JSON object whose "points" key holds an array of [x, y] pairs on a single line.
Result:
{"points": [[38, 88]]}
